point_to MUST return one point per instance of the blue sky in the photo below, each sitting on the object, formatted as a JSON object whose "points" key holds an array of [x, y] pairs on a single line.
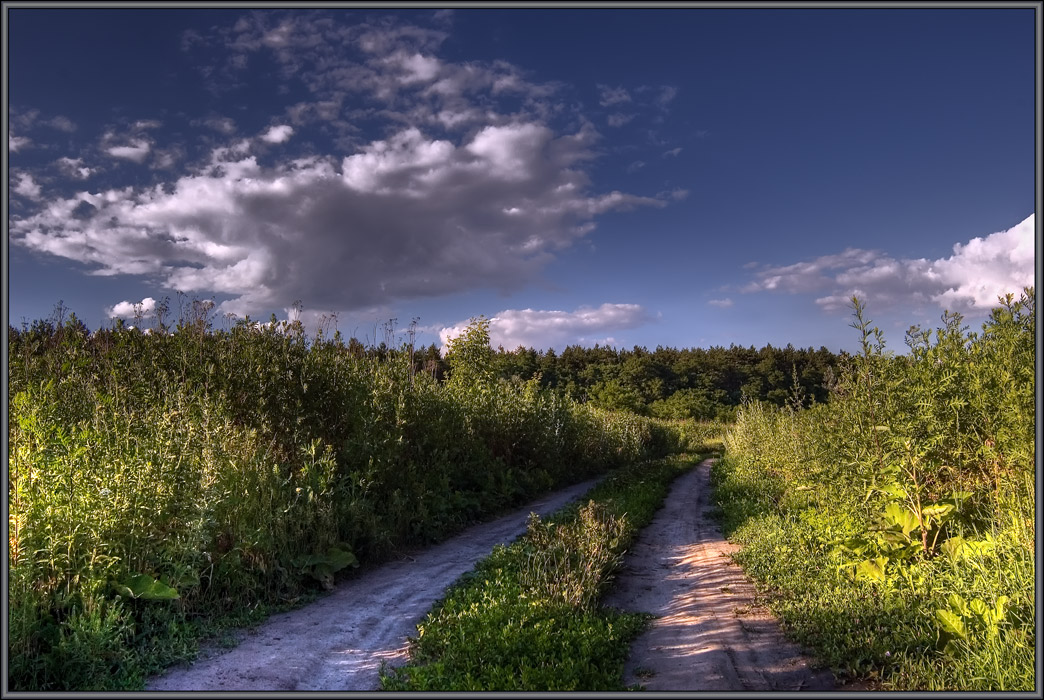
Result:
{"points": [[683, 177]]}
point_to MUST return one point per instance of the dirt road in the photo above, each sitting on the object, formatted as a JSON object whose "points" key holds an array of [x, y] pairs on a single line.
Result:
{"points": [[339, 641], [709, 635]]}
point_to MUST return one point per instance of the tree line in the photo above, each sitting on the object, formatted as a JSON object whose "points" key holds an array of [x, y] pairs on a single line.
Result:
{"points": [[671, 383]]}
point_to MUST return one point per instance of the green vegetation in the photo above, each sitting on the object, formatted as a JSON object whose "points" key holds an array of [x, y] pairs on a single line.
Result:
{"points": [[166, 484], [909, 500], [527, 617], [689, 384]]}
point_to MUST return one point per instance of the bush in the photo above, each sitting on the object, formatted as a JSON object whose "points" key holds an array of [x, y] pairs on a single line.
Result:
{"points": [[909, 499], [163, 482]]}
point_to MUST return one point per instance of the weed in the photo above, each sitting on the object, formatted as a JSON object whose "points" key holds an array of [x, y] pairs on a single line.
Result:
{"points": [[527, 617], [170, 482], [908, 498]]}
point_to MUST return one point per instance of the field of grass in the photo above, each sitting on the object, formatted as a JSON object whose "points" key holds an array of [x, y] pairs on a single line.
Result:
{"points": [[164, 485], [909, 499], [528, 617]]}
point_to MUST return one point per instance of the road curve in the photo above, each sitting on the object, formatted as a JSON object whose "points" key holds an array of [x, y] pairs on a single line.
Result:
{"points": [[339, 641]]}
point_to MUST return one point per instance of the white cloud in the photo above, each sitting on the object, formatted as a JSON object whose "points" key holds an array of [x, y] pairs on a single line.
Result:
{"points": [[137, 151], [619, 119], [969, 281], [677, 194], [414, 68], [167, 158], [542, 329], [17, 143], [406, 217], [985, 268], [667, 95], [659, 96], [474, 182], [27, 186], [721, 303], [381, 68], [62, 124], [672, 152], [610, 96], [278, 134], [223, 125], [130, 309], [73, 167]]}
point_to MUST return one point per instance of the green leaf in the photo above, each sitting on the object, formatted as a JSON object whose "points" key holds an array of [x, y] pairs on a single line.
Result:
{"points": [[958, 605], [980, 609], [955, 548], [901, 517], [894, 490], [951, 623], [1000, 608], [145, 587], [854, 545], [891, 539], [338, 559], [323, 573], [872, 569], [939, 510], [322, 567]]}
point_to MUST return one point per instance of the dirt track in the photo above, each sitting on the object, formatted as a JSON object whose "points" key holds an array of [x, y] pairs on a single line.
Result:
{"points": [[339, 641], [710, 634]]}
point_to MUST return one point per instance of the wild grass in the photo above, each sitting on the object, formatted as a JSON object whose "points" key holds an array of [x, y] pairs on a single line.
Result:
{"points": [[528, 617], [165, 484], [909, 500]]}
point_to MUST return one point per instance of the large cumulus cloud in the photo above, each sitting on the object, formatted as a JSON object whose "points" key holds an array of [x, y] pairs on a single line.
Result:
{"points": [[461, 180]]}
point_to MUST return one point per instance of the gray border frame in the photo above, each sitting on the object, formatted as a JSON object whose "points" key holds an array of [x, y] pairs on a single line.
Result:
{"points": [[1038, 5]]}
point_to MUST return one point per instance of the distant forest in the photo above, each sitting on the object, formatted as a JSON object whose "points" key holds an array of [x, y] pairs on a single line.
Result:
{"points": [[696, 383], [667, 383]]}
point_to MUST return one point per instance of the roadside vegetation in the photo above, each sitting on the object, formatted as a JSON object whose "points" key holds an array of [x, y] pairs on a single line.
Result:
{"points": [[166, 484], [908, 499], [528, 618]]}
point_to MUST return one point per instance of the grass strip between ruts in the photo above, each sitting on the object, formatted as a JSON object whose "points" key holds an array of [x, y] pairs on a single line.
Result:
{"points": [[527, 617]]}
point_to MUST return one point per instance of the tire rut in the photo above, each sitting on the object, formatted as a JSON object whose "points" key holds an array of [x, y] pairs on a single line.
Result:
{"points": [[710, 633], [340, 641]]}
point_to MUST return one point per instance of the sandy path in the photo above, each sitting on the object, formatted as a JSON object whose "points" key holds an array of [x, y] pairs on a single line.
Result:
{"points": [[709, 635], [339, 641]]}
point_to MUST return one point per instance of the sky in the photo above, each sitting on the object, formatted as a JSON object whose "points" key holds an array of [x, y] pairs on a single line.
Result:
{"points": [[676, 177]]}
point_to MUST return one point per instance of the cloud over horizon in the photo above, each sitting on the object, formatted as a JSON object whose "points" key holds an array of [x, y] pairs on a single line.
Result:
{"points": [[130, 309], [968, 281], [538, 329]]}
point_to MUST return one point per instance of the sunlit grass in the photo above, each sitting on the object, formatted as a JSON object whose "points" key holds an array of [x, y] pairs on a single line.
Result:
{"points": [[528, 618], [908, 500]]}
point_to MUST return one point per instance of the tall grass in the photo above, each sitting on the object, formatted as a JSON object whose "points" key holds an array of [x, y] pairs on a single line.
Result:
{"points": [[910, 499], [162, 482]]}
